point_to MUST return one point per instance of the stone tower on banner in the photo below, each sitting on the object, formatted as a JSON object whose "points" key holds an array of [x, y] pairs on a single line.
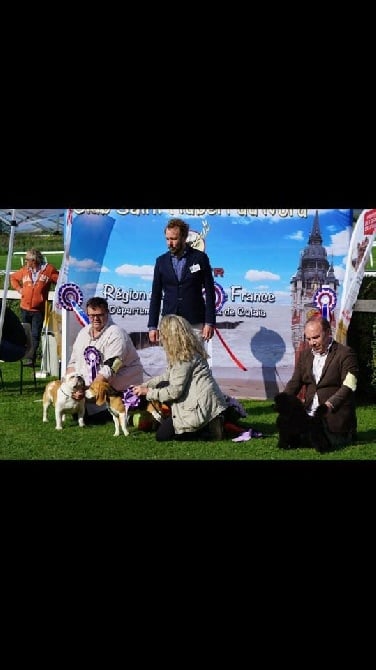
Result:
{"points": [[314, 273]]}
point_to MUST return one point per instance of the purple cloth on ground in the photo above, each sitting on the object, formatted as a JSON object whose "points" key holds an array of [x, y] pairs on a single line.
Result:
{"points": [[247, 435]]}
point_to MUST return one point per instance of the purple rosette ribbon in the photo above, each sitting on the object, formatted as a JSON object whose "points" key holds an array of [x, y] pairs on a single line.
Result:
{"points": [[92, 357], [325, 299], [70, 293], [130, 399]]}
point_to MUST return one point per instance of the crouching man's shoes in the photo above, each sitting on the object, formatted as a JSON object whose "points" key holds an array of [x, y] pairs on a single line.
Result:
{"points": [[283, 445], [288, 441]]}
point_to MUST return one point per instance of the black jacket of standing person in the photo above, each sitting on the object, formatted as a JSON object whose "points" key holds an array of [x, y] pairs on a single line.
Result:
{"points": [[13, 339]]}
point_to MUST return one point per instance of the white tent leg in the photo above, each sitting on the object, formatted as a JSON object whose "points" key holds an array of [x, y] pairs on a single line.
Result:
{"points": [[7, 270]]}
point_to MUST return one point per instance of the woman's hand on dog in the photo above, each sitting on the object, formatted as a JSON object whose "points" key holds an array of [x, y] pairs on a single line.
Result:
{"points": [[139, 390]]}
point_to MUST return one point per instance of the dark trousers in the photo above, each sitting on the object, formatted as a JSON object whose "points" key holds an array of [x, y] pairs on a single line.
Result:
{"points": [[36, 322], [315, 434], [165, 432]]}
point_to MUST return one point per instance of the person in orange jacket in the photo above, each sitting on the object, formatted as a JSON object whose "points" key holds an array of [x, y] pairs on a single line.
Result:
{"points": [[33, 282]]}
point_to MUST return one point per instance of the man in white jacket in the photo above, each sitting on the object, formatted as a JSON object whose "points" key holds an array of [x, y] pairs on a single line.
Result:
{"points": [[103, 351]]}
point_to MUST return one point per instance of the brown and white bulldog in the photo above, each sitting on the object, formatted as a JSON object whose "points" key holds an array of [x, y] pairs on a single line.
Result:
{"points": [[59, 394], [103, 393]]}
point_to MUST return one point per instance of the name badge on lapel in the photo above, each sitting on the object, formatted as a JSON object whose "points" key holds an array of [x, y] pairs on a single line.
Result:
{"points": [[195, 268]]}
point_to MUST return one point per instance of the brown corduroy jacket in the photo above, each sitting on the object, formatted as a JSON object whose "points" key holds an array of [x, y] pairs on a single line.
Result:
{"points": [[337, 384]]}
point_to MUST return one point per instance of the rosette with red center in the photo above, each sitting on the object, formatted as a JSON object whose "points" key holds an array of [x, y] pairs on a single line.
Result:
{"points": [[220, 296], [93, 358], [325, 299]]}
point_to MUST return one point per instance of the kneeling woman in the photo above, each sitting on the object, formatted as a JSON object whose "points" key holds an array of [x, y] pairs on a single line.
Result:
{"points": [[187, 385]]}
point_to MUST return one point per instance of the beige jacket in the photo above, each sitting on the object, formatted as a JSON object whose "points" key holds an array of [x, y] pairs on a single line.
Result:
{"points": [[192, 392]]}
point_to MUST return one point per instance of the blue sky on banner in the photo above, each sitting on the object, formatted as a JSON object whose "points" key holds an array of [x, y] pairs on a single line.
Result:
{"points": [[258, 249]]}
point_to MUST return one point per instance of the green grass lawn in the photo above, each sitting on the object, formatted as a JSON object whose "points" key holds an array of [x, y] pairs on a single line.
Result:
{"points": [[25, 437], [371, 265]]}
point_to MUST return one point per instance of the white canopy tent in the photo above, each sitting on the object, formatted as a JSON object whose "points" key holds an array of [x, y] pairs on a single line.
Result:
{"points": [[26, 220], [34, 220]]}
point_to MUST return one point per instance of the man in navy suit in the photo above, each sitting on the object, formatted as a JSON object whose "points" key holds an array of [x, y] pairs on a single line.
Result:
{"points": [[180, 276]]}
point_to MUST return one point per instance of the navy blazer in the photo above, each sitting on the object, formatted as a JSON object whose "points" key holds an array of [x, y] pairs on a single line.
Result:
{"points": [[184, 297]]}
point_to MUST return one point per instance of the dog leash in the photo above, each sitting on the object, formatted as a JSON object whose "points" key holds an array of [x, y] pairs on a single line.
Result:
{"points": [[231, 353]]}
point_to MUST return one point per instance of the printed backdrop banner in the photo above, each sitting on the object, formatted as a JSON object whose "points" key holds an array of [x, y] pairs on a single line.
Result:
{"points": [[272, 269]]}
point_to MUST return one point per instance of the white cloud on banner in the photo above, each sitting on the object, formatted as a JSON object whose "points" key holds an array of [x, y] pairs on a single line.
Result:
{"points": [[144, 271], [258, 275]]}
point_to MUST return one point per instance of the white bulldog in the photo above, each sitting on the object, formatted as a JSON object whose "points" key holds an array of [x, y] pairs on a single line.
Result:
{"points": [[59, 394]]}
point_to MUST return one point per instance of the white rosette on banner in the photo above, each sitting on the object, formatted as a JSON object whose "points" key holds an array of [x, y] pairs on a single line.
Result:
{"points": [[359, 252]]}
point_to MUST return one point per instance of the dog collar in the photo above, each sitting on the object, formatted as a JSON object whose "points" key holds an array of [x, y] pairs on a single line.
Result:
{"points": [[156, 415], [66, 394]]}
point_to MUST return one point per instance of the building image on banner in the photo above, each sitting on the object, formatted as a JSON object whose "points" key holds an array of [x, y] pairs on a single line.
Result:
{"points": [[271, 268], [314, 286]]}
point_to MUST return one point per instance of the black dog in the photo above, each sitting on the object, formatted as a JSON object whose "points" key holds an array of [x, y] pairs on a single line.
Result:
{"points": [[295, 425]]}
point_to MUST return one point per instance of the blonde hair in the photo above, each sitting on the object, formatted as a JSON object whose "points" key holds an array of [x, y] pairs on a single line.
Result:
{"points": [[179, 340], [36, 255]]}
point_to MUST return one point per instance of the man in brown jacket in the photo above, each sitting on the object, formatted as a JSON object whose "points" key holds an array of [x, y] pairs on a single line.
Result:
{"points": [[33, 282], [328, 370]]}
